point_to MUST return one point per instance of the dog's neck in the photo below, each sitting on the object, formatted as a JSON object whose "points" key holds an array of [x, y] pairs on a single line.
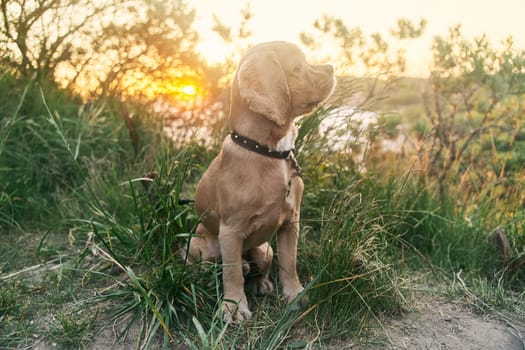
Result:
{"points": [[264, 131], [287, 142]]}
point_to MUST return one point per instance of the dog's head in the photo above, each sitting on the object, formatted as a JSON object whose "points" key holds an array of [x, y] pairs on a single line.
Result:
{"points": [[274, 79]]}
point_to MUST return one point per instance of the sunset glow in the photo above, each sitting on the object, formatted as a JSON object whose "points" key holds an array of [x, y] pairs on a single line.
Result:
{"points": [[211, 46], [188, 90], [285, 20], [266, 24]]}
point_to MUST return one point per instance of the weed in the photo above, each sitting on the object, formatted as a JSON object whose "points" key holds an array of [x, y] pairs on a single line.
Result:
{"points": [[73, 331], [15, 314], [153, 283]]}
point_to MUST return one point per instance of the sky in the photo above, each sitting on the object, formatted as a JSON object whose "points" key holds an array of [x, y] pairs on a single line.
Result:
{"points": [[286, 19]]}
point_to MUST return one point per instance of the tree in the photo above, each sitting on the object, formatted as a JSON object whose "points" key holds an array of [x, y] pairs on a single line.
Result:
{"points": [[368, 68], [126, 47], [476, 108], [145, 50], [371, 54], [37, 35]]}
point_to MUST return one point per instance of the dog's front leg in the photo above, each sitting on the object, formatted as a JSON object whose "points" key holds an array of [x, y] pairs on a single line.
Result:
{"points": [[287, 238], [234, 305]]}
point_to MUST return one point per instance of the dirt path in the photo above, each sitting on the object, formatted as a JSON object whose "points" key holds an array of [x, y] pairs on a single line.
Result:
{"points": [[438, 324], [432, 324]]}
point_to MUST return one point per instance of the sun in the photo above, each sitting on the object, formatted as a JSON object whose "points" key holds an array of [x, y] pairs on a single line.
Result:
{"points": [[188, 90], [185, 92]]}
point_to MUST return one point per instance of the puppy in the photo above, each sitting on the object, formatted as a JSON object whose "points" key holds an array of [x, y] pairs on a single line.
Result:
{"points": [[253, 188]]}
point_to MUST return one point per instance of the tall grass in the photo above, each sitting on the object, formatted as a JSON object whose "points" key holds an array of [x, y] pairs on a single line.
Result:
{"points": [[354, 269], [364, 229], [153, 284], [139, 246], [36, 167]]}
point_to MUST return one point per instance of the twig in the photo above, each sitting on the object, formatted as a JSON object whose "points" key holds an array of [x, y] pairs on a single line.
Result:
{"points": [[28, 269]]}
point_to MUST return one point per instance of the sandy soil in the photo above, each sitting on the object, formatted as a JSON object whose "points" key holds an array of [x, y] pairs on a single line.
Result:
{"points": [[438, 324]]}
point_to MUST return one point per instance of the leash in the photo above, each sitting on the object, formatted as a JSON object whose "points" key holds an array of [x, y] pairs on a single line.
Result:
{"points": [[152, 177]]}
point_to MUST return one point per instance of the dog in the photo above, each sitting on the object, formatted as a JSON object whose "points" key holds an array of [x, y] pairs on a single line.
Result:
{"points": [[253, 188]]}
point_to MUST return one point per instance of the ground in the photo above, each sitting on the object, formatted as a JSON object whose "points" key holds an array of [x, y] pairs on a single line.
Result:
{"points": [[431, 324], [442, 324]]}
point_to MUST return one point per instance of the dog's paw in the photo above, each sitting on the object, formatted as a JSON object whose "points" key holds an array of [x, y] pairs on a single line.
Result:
{"points": [[296, 301], [261, 286], [235, 312], [301, 304]]}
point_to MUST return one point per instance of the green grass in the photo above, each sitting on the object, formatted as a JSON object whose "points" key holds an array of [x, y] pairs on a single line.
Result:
{"points": [[84, 247], [73, 331]]}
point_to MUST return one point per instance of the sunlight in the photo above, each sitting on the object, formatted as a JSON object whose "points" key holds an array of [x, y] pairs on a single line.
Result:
{"points": [[188, 90], [184, 93], [210, 45]]}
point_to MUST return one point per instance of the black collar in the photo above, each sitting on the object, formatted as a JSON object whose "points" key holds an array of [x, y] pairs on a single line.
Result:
{"points": [[256, 147]]}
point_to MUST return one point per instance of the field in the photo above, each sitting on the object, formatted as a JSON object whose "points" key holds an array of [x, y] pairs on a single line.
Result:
{"points": [[89, 256], [412, 221]]}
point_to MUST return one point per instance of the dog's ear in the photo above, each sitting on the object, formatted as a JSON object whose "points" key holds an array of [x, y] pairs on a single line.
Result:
{"points": [[263, 86]]}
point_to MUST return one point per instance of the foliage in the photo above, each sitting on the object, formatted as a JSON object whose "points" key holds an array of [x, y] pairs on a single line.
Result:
{"points": [[73, 332], [36, 169], [15, 314], [406, 29], [38, 36], [372, 54], [153, 284], [238, 37], [475, 108], [147, 50]]}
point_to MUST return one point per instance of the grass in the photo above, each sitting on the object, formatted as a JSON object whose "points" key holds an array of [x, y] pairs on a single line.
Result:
{"points": [[85, 248], [73, 331]]}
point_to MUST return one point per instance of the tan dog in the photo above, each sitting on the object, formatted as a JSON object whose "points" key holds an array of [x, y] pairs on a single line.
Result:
{"points": [[252, 190]]}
